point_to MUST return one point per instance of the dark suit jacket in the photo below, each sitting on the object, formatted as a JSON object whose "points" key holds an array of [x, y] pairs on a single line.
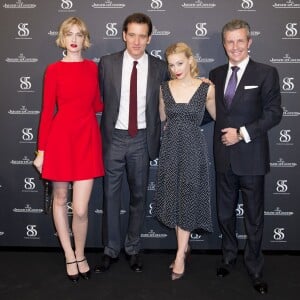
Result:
{"points": [[110, 73], [256, 105]]}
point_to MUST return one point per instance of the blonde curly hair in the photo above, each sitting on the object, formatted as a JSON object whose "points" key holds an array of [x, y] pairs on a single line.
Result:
{"points": [[65, 27], [183, 48]]}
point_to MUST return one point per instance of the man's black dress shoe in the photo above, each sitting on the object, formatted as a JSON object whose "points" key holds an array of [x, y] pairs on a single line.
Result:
{"points": [[225, 268], [260, 286], [135, 263], [105, 264], [222, 272]]}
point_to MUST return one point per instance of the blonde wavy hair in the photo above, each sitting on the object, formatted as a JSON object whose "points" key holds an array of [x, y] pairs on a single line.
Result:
{"points": [[65, 27], [183, 48]]}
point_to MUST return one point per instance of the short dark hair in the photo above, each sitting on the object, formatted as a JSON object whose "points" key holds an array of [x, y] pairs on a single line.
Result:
{"points": [[139, 18], [236, 24]]}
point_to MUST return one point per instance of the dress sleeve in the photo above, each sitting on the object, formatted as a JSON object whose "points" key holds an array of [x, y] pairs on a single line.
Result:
{"points": [[48, 106], [98, 102]]}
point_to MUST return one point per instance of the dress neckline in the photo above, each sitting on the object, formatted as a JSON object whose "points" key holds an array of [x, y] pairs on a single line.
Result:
{"points": [[72, 62], [190, 100]]}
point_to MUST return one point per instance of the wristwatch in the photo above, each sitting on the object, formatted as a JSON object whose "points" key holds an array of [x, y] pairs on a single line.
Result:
{"points": [[240, 137]]}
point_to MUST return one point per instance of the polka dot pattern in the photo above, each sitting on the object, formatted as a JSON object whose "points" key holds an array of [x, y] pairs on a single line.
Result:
{"points": [[182, 195]]}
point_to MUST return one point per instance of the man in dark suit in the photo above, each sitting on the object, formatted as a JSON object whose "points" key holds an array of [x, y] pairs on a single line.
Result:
{"points": [[124, 149], [247, 106]]}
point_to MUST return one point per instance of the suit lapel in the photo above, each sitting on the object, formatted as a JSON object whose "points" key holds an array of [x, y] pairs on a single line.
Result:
{"points": [[223, 74], [117, 66], [150, 78], [238, 96], [153, 70]]}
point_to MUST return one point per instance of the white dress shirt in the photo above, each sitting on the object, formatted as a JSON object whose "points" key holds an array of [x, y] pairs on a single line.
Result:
{"points": [[142, 74], [240, 73]]}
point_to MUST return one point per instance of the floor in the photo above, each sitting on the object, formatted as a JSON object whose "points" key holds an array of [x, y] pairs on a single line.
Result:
{"points": [[40, 274]]}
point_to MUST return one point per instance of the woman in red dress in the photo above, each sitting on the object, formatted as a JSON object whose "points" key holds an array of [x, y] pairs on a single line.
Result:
{"points": [[69, 141]]}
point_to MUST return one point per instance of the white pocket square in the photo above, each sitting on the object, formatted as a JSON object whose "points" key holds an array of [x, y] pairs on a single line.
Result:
{"points": [[248, 87]]}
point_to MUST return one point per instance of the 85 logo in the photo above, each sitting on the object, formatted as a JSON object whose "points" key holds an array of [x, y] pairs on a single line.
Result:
{"points": [[111, 29], [201, 29], [31, 231], [279, 234], [27, 134], [285, 136], [25, 83], [291, 31], [282, 186], [29, 183], [156, 4], [23, 30], [247, 4], [240, 210], [288, 84], [66, 4]]}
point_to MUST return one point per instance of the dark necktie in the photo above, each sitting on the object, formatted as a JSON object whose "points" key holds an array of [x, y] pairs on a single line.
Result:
{"points": [[132, 123], [231, 87]]}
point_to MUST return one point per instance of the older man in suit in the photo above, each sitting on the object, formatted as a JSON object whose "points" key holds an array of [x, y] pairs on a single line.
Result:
{"points": [[247, 106], [130, 124]]}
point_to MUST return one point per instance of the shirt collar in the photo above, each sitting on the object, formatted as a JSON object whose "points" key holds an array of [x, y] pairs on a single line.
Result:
{"points": [[242, 65], [140, 61]]}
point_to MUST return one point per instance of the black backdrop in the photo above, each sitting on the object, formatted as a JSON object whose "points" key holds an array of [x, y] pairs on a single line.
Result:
{"points": [[29, 29]]}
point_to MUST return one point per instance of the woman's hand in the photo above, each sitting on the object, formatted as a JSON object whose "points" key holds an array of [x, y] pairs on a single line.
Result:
{"points": [[39, 159], [206, 80]]}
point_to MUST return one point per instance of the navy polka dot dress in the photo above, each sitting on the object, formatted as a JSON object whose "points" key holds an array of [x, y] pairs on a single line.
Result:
{"points": [[182, 195]]}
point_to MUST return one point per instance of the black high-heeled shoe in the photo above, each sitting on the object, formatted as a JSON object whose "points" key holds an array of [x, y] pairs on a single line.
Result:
{"points": [[75, 277], [187, 256], [176, 276], [84, 275]]}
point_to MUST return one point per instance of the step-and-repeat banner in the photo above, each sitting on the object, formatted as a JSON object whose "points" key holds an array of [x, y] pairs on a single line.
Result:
{"points": [[28, 32]]}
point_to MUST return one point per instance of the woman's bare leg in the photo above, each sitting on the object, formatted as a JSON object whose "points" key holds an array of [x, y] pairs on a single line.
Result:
{"points": [[81, 195], [60, 197], [182, 244]]}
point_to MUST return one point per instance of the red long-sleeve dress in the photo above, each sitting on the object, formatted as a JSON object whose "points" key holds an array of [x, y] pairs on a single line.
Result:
{"points": [[69, 132]]}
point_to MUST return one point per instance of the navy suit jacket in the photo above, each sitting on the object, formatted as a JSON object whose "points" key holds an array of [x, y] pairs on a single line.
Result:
{"points": [[110, 74], [257, 106]]}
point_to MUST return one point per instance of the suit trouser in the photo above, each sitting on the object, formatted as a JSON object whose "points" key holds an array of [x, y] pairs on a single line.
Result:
{"points": [[129, 155], [252, 191]]}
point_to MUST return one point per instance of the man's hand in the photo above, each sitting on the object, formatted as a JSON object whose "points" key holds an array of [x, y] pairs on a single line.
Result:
{"points": [[230, 136]]}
